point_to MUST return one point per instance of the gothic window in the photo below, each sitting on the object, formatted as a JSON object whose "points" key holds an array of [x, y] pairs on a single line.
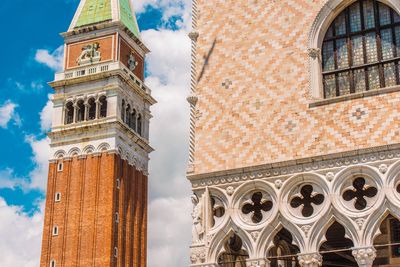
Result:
{"points": [[103, 107], [128, 117], [133, 120], [360, 193], [80, 111], [234, 255], [92, 109], [123, 110], [139, 124], [361, 49], [69, 113]]}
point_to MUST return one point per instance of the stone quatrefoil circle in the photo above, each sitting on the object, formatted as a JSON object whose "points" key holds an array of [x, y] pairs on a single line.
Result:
{"points": [[307, 198], [257, 206], [359, 193]]}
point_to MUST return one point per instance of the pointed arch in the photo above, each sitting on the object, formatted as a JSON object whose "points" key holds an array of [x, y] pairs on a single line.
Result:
{"points": [[218, 241]]}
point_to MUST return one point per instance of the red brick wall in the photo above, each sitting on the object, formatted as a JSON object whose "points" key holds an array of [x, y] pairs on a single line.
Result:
{"points": [[125, 51], [106, 49], [85, 215]]}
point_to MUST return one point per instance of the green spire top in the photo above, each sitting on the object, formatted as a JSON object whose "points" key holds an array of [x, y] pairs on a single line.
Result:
{"points": [[96, 11], [128, 18]]}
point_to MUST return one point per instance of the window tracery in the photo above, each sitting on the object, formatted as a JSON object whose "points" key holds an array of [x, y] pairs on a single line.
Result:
{"points": [[361, 49], [256, 207], [306, 200], [359, 193]]}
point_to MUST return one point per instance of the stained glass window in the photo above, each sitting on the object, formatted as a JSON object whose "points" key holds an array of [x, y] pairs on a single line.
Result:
{"points": [[361, 49]]}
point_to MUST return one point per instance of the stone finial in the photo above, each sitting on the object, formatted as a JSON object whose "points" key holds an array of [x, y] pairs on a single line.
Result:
{"points": [[310, 260], [192, 99], [364, 256]]}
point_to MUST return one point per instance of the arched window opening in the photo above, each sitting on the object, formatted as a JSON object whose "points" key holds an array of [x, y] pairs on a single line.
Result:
{"points": [[361, 49], [69, 113], [103, 107], [139, 124], [234, 255], [80, 114], [387, 243], [337, 249], [133, 120], [52, 263], [128, 117], [92, 109], [283, 254], [123, 110]]}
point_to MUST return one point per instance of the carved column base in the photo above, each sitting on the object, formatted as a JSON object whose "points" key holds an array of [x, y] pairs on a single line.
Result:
{"points": [[198, 255], [310, 260], [364, 256], [257, 263]]}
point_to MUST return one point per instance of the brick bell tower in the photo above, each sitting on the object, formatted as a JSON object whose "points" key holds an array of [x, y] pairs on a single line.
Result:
{"points": [[96, 206]]}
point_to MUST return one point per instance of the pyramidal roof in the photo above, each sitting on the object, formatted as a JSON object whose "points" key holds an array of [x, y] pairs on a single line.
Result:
{"points": [[95, 11]]}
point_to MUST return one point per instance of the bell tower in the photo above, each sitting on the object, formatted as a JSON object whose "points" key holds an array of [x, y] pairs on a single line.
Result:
{"points": [[96, 204]]}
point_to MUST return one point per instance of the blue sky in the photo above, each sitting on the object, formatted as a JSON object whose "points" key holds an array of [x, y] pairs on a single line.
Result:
{"points": [[31, 54]]}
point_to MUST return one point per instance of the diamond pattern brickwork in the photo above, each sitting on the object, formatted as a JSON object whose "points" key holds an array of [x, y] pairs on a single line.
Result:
{"points": [[261, 48]]}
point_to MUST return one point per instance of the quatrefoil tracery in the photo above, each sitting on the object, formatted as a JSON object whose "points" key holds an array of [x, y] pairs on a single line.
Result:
{"points": [[306, 199], [256, 207], [359, 193]]}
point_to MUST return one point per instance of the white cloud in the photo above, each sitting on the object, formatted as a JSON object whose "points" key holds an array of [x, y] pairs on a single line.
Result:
{"points": [[177, 8], [46, 115], [21, 236], [8, 114], [9, 180], [169, 219], [41, 154], [53, 60]]}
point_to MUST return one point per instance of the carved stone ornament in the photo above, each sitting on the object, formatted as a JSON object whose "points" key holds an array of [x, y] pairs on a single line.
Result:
{"points": [[383, 168], [192, 99], [230, 190], [198, 255], [306, 229], [255, 235], [314, 53], [90, 54], [330, 176], [360, 223], [310, 260], [197, 216], [132, 62], [278, 184], [365, 256], [193, 36]]}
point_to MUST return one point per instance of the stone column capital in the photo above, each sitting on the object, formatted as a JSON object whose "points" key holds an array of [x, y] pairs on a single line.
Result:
{"points": [[310, 259], [364, 256]]}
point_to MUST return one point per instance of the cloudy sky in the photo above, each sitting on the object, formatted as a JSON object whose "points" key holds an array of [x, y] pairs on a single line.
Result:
{"points": [[31, 52]]}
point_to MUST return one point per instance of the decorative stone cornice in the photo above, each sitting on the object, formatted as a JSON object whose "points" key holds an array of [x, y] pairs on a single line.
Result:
{"points": [[311, 164], [364, 256]]}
